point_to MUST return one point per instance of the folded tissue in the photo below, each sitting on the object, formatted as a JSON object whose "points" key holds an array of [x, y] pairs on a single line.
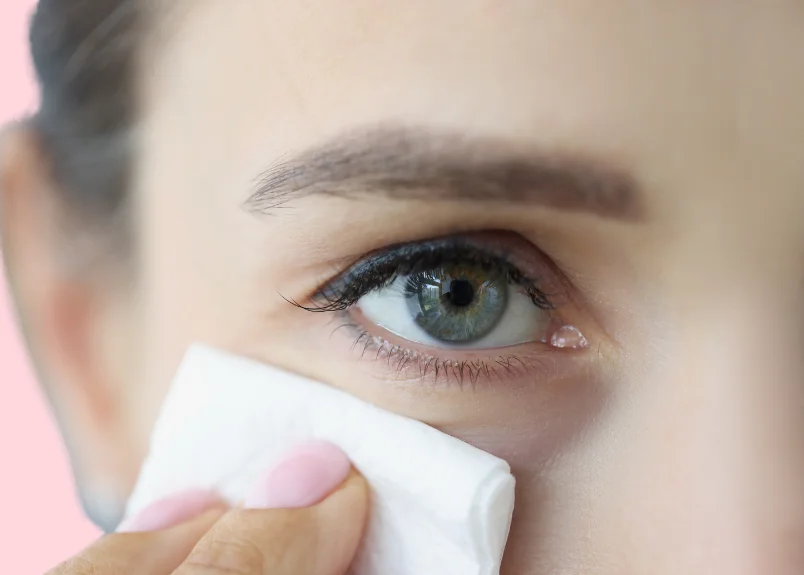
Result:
{"points": [[439, 506]]}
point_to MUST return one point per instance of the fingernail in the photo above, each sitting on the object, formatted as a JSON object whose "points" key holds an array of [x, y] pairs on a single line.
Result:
{"points": [[304, 477], [171, 511]]}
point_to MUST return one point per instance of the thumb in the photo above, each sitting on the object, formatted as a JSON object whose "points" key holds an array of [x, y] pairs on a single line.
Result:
{"points": [[305, 518]]}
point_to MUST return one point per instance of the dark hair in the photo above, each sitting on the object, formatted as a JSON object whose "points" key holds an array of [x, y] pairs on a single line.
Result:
{"points": [[84, 53]]}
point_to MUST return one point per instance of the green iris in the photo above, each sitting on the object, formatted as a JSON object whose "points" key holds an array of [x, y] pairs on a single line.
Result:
{"points": [[459, 303]]}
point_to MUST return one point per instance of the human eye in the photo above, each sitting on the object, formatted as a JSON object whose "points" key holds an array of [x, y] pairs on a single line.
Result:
{"points": [[457, 307]]}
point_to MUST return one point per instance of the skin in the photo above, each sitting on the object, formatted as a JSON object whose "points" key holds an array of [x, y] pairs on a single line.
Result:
{"points": [[673, 444]]}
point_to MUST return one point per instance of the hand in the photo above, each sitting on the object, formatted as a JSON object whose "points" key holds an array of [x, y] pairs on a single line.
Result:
{"points": [[292, 524]]}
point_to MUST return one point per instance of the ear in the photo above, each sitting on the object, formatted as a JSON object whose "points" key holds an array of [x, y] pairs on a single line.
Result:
{"points": [[73, 322]]}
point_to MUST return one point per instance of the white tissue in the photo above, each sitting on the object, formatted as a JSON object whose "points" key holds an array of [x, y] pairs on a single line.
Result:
{"points": [[439, 505]]}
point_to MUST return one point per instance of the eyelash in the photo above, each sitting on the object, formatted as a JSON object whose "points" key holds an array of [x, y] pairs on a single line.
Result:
{"points": [[381, 269], [440, 369]]}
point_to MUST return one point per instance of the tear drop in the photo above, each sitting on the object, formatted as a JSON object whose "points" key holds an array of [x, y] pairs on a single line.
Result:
{"points": [[568, 337]]}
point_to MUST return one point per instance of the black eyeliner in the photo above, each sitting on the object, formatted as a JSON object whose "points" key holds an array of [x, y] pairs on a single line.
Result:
{"points": [[380, 269]]}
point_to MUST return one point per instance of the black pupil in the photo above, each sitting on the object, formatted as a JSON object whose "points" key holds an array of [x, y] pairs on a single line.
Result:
{"points": [[460, 294]]}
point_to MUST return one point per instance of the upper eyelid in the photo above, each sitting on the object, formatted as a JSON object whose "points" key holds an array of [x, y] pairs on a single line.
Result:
{"points": [[478, 241], [395, 254], [440, 246], [338, 294]]}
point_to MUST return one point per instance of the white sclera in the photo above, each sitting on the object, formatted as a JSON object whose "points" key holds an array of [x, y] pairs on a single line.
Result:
{"points": [[521, 321]]}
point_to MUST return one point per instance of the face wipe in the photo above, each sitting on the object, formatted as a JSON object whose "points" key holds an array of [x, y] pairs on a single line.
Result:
{"points": [[438, 504]]}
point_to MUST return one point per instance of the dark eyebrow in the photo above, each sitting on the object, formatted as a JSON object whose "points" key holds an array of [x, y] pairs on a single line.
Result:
{"points": [[406, 163]]}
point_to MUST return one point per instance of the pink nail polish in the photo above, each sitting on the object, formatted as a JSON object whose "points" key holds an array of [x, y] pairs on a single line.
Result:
{"points": [[171, 511], [304, 477]]}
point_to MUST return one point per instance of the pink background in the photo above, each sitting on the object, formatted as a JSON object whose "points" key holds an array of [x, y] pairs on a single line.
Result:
{"points": [[42, 523]]}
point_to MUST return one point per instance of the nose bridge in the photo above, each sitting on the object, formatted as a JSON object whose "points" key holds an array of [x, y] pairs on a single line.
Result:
{"points": [[730, 419]]}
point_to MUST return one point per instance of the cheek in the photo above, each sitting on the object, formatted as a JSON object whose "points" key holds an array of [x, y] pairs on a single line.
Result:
{"points": [[552, 496], [547, 444]]}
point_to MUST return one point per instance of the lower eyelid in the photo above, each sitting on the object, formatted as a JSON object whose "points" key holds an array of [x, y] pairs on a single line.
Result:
{"points": [[408, 363], [369, 341]]}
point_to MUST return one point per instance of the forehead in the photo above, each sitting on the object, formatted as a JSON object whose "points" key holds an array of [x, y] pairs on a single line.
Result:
{"points": [[683, 93]]}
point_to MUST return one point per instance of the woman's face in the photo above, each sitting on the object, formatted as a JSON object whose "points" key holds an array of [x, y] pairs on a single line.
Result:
{"points": [[455, 186]]}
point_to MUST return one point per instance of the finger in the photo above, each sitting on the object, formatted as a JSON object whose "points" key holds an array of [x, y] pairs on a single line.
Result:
{"points": [[147, 553], [172, 510], [284, 538]]}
